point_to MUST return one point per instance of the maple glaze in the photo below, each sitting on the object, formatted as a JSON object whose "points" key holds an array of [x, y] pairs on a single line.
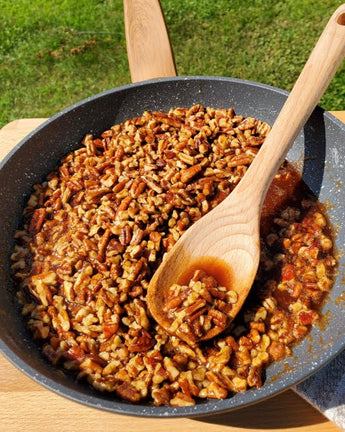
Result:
{"points": [[215, 267]]}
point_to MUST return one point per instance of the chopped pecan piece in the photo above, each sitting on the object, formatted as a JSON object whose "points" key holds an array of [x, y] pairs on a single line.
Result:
{"points": [[37, 220]]}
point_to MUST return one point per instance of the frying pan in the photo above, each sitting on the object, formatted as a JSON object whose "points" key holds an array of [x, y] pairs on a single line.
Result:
{"points": [[318, 153]]}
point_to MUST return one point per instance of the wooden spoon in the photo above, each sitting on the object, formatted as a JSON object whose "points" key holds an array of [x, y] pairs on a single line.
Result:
{"points": [[148, 44], [226, 241]]}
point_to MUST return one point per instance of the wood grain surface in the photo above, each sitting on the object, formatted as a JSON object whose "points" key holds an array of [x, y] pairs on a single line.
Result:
{"points": [[27, 406], [148, 45]]}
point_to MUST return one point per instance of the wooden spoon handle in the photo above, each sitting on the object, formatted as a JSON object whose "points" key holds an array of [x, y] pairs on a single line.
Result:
{"points": [[316, 75], [148, 45]]}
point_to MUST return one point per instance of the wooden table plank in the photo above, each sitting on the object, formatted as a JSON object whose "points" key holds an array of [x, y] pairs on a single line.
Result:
{"points": [[25, 405]]}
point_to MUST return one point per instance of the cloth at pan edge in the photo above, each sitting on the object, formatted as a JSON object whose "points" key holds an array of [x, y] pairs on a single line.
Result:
{"points": [[325, 390]]}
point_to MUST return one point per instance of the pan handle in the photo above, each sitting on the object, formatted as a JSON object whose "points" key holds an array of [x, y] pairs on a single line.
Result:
{"points": [[148, 45]]}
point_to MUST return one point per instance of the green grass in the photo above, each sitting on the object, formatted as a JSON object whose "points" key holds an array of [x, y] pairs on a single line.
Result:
{"points": [[54, 53]]}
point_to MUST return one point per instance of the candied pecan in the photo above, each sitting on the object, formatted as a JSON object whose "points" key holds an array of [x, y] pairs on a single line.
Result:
{"points": [[161, 396], [37, 220], [307, 317], [102, 244], [277, 350], [255, 377], [109, 328], [182, 399], [189, 173], [128, 392], [139, 340]]}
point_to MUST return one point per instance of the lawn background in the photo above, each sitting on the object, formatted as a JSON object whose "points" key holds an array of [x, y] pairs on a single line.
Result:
{"points": [[54, 53]]}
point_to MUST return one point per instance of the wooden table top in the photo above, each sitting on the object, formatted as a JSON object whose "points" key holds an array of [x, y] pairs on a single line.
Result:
{"points": [[27, 406]]}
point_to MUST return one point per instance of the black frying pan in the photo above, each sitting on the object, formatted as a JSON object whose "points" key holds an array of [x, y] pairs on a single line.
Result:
{"points": [[318, 151]]}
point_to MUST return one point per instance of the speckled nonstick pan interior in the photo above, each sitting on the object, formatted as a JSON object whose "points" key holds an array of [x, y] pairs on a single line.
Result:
{"points": [[319, 154]]}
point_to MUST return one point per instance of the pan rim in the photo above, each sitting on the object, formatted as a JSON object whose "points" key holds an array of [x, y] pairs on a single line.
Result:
{"points": [[200, 410]]}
